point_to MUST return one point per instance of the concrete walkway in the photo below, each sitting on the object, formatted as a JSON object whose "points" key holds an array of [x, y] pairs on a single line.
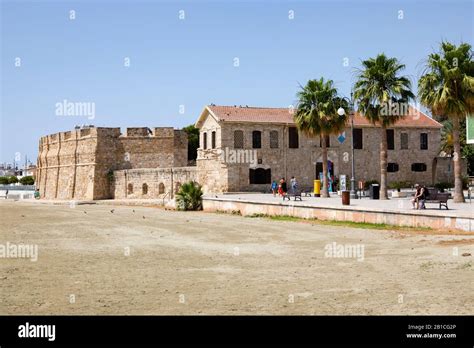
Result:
{"points": [[395, 211], [400, 205]]}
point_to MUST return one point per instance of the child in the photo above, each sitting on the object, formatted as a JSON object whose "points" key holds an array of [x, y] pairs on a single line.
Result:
{"points": [[274, 188]]}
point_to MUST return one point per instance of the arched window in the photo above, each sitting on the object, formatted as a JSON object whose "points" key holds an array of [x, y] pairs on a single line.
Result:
{"points": [[130, 188], [213, 139], [161, 188], [144, 189], [260, 176], [273, 139], [238, 139], [256, 139]]}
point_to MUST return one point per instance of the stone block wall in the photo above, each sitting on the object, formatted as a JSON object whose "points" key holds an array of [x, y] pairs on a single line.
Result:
{"points": [[79, 164], [301, 162], [151, 183]]}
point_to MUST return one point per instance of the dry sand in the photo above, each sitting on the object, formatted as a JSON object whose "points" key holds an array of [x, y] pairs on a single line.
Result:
{"points": [[203, 263]]}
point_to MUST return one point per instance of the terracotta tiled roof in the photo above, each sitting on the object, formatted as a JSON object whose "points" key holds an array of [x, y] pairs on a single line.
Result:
{"points": [[415, 118]]}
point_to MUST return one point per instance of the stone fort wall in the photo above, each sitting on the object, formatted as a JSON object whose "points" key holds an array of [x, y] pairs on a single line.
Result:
{"points": [[79, 164], [151, 183]]}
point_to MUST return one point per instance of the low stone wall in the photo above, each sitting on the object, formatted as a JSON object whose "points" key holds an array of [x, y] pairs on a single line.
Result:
{"points": [[448, 221], [151, 183]]}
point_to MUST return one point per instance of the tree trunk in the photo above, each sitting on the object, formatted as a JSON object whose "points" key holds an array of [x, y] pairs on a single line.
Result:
{"points": [[324, 189], [383, 164], [458, 192]]}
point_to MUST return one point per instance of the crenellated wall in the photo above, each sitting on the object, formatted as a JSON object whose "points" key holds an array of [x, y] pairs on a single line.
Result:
{"points": [[79, 164]]}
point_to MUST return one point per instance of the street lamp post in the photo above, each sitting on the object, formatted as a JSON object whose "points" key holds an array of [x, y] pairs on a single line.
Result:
{"points": [[342, 112]]}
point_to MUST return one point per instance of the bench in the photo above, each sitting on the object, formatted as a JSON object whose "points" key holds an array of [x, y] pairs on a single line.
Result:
{"points": [[296, 194], [437, 197]]}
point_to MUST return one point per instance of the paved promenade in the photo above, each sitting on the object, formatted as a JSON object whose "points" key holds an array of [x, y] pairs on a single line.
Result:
{"points": [[395, 211], [401, 205]]}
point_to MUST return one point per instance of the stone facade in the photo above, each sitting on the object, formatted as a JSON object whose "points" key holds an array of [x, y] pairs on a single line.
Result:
{"points": [[241, 149], [410, 160], [79, 164], [152, 183]]}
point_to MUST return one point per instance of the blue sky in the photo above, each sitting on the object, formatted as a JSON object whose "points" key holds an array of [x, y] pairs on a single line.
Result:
{"points": [[176, 63]]}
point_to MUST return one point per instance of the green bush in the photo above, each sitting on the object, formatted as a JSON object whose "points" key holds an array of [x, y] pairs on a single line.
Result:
{"points": [[398, 185], [443, 186], [12, 180], [370, 182], [27, 180], [4, 180], [189, 197], [465, 182]]}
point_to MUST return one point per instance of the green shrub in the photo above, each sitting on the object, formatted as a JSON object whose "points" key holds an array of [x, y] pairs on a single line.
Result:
{"points": [[398, 185], [189, 197], [4, 180], [27, 180], [12, 179], [465, 182], [370, 182], [443, 186]]}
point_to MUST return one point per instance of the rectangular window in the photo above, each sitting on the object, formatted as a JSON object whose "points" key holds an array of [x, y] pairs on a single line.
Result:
{"points": [[418, 167], [390, 139], [238, 139], [424, 141], [213, 140], [293, 140], [404, 141], [273, 139], [328, 141], [357, 134], [256, 139], [392, 167], [204, 140]]}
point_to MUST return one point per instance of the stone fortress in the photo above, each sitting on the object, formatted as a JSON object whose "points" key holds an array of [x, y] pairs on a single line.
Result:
{"points": [[100, 163], [92, 163]]}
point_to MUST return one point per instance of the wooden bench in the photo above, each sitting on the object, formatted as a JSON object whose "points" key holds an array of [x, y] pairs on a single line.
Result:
{"points": [[437, 197]]}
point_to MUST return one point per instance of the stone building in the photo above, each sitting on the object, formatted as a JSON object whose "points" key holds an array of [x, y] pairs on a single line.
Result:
{"points": [[241, 149], [100, 163], [244, 148]]}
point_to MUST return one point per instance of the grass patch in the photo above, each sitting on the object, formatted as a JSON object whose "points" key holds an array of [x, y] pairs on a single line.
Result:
{"points": [[363, 225], [465, 265]]}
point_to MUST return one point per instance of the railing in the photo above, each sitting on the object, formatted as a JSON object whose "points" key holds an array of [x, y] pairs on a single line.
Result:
{"points": [[17, 187], [166, 194]]}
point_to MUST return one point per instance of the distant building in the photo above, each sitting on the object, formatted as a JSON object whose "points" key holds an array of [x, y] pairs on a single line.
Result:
{"points": [[281, 150], [241, 149]]}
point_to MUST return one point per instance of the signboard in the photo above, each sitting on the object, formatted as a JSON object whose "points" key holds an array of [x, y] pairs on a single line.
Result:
{"points": [[470, 129], [341, 137], [342, 183]]}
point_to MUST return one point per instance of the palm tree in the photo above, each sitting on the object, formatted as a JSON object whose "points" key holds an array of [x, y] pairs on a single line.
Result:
{"points": [[189, 197], [316, 115], [382, 96], [447, 89]]}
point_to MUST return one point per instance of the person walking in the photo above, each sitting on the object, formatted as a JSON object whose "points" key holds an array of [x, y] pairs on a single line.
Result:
{"points": [[292, 184], [284, 187], [274, 188]]}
